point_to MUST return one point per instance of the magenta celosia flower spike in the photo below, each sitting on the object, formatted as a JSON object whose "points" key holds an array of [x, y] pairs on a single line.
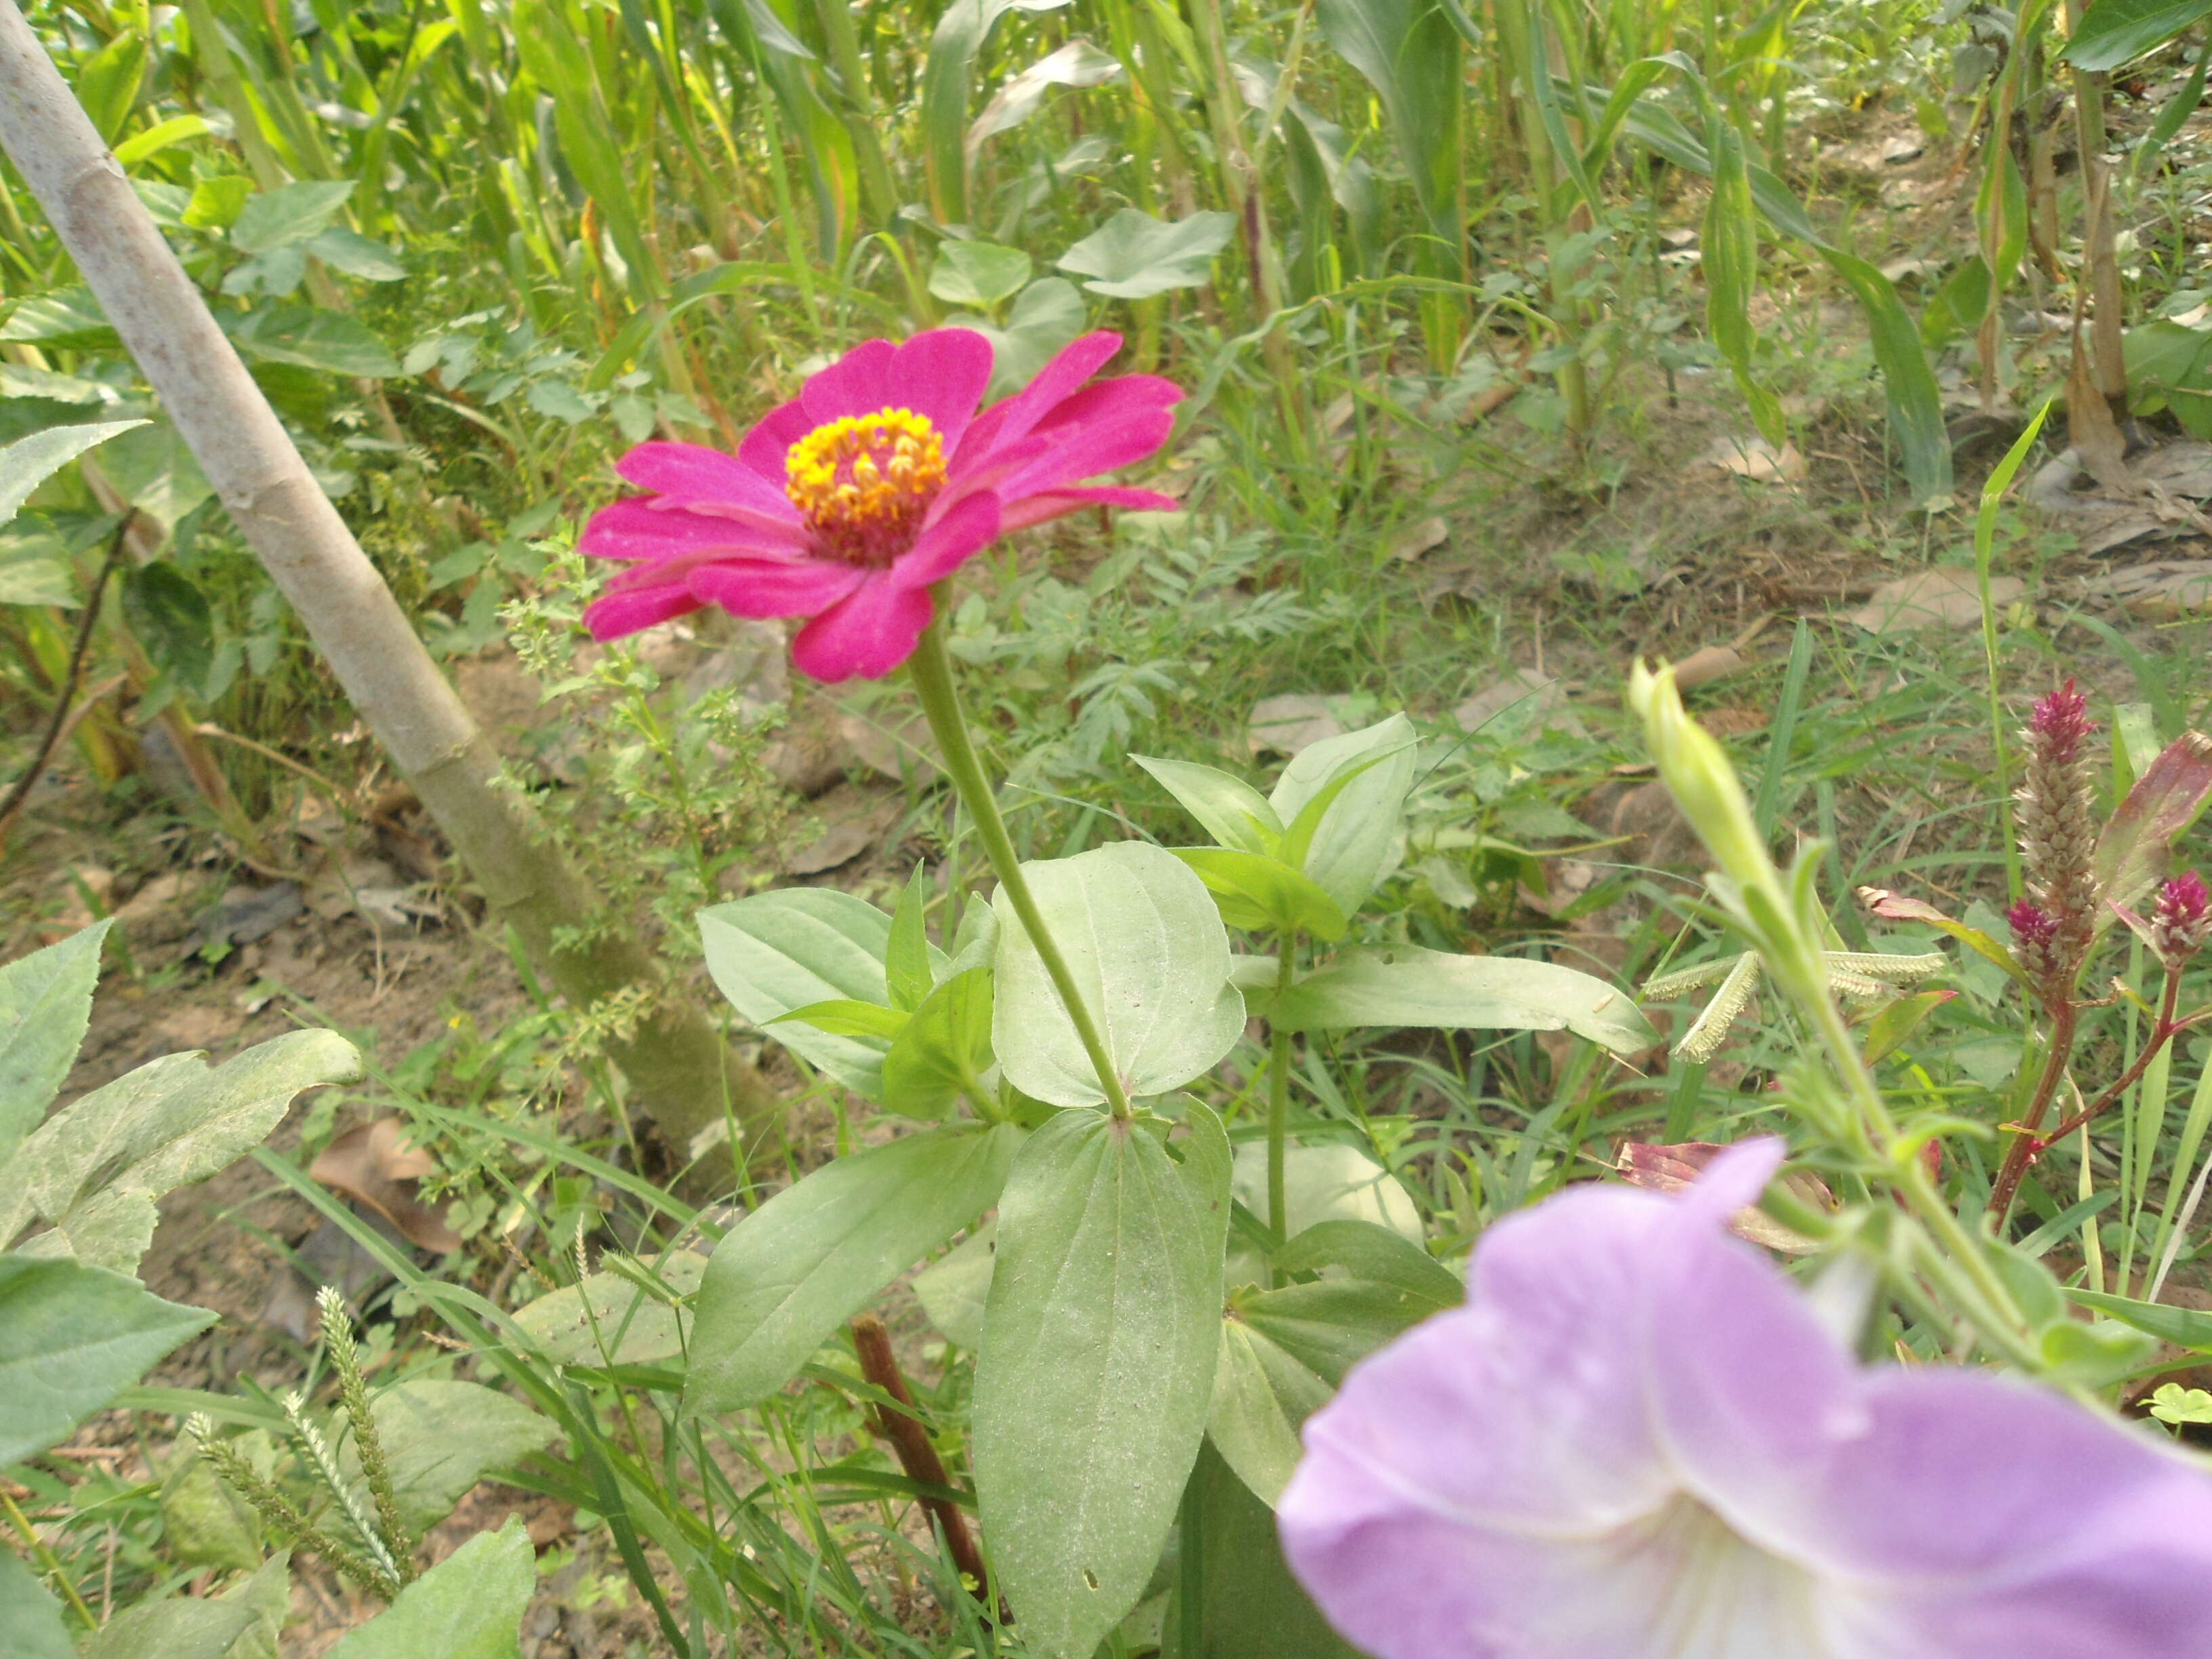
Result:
{"points": [[1637, 1441], [878, 479]]}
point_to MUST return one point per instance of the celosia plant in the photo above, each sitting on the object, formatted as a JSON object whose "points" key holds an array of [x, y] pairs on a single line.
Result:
{"points": [[880, 479], [1639, 1441]]}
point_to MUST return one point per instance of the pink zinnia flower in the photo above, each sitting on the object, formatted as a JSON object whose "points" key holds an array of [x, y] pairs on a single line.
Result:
{"points": [[878, 480], [1637, 1440]]}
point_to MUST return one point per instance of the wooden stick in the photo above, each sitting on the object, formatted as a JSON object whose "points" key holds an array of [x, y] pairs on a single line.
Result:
{"points": [[917, 1455]]}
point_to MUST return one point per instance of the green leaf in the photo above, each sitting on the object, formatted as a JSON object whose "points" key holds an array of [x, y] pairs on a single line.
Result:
{"points": [[1411, 55], [327, 340], [799, 946], [1048, 316], [67, 317], [171, 618], [1134, 256], [2117, 32], [440, 1438], [205, 1523], [356, 255], [156, 471], [1330, 1324], [791, 1272], [1097, 1369], [1250, 1606], [29, 462], [2184, 1328], [29, 580], [1380, 1255], [944, 1049], [1731, 264], [907, 973], [107, 83], [470, 1606], [1261, 1396], [978, 274], [1149, 959], [30, 1615], [45, 1003], [1343, 800], [288, 214], [610, 1318], [2136, 847], [955, 1289], [180, 1627], [71, 1338], [1329, 1183], [1403, 985], [172, 1121], [843, 1017], [1260, 893], [1229, 809], [267, 1595]]}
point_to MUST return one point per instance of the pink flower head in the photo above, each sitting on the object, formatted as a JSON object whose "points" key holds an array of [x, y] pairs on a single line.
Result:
{"points": [[2060, 722], [2032, 928], [1637, 1441], [880, 478], [2182, 918]]}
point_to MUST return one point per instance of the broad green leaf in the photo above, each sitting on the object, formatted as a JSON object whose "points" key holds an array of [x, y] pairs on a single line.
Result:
{"points": [[1261, 1396], [29, 462], [180, 1627], [1134, 256], [1048, 316], [440, 1438], [1149, 959], [948, 85], [797, 945], [2184, 1328], [1330, 1324], [107, 83], [172, 619], [71, 1338], [1324, 1184], [1097, 1369], [67, 317], [156, 471], [944, 1049], [33, 580], [1226, 807], [20, 380], [1383, 1256], [290, 213], [2117, 32], [1348, 845], [1078, 64], [172, 1121], [1249, 1605], [1411, 55], [907, 973], [177, 130], [267, 1595], [327, 340], [954, 1289], [470, 1606], [1402, 985], [610, 1318], [356, 255], [30, 1615], [790, 1274], [1260, 893], [205, 1523], [843, 1017], [978, 273], [45, 1003]]}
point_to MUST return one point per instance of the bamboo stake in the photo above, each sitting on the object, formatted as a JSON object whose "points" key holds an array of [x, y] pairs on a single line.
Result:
{"points": [[680, 1071]]}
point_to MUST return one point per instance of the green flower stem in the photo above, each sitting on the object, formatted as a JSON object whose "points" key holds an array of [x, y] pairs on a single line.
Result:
{"points": [[931, 666], [49, 1562], [1278, 1104]]}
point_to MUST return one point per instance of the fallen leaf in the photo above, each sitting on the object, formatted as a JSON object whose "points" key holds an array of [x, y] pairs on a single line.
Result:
{"points": [[1706, 664], [1947, 598], [2162, 589], [1416, 539], [1671, 1168], [1757, 460], [374, 1164], [1539, 697], [1295, 721], [895, 747]]}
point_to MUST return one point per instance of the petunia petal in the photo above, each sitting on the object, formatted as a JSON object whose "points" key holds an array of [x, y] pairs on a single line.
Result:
{"points": [[865, 634], [774, 590], [614, 615], [694, 476], [635, 528], [966, 530]]}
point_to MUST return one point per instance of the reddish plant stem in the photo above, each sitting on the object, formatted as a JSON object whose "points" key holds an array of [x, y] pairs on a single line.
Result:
{"points": [[2065, 1020], [2164, 1032], [917, 1455]]}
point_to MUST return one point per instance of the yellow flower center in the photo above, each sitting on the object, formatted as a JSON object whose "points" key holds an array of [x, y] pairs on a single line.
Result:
{"points": [[863, 482]]}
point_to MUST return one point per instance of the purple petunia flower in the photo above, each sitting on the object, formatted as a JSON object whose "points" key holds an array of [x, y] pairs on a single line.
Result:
{"points": [[1637, 1441]]}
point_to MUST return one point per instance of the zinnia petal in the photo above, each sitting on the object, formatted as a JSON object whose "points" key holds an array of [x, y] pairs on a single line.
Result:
{"points": [[942, 374], [766, 447], [1086, 452], [969, 527], [1011, 419], [858, 383], [614, 615], [774, 590], [696, 476], [635, 528], [865, 635], [1059, 503]]}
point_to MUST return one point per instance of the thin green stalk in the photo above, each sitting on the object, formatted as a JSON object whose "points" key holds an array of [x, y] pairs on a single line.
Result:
{"points": [[48, 1560], [1985, 531], [931, 666], [1278, 1105]]}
